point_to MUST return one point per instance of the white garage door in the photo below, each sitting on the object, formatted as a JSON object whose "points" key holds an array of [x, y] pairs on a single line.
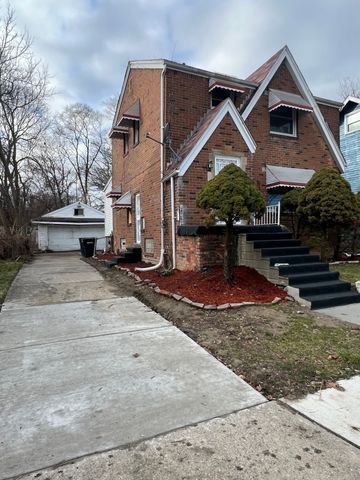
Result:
{"points": [[66, 238]]}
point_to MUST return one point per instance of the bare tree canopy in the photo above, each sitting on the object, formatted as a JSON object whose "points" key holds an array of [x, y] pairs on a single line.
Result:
{"points": [[349, 87], [85, 146], [24, 91]]}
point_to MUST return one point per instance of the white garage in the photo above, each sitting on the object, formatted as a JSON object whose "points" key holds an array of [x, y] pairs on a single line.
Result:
{"points": [[60, 230]]}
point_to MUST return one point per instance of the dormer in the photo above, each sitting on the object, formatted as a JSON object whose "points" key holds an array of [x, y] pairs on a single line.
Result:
{"points": [[219, 90]]}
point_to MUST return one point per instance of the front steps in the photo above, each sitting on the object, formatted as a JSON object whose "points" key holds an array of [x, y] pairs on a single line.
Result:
{"points": [[284, 261], [130, 255]]}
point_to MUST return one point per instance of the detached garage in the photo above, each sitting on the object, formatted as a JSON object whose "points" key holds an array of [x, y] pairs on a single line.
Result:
{"points": [[60, 230]]}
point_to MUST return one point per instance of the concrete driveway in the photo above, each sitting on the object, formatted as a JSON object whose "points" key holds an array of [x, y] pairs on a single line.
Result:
{"points": [[84, 370]]}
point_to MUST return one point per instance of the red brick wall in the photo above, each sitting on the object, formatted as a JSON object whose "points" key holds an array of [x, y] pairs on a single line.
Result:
{"points": [[226, 140], [139, 170], [188, 100], [307, 150], [195, 253], [332, 118]]}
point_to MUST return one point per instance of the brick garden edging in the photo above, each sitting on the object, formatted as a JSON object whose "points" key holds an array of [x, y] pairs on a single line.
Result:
{"points": [[175, 296]]}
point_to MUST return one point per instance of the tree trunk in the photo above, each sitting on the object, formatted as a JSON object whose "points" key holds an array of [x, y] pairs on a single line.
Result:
{"points": [[229, 252]]}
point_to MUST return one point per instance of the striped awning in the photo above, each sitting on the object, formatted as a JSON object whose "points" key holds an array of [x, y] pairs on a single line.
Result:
{"points": [[117, 132], [115, 191], [214, 83], [131, 114], [123, 202], [278, 98], [287, 176]]}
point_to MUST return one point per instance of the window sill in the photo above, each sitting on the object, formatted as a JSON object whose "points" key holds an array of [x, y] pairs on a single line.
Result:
{"points": [[282, 135]]}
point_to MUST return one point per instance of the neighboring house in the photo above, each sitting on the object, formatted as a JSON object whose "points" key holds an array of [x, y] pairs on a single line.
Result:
{"points": [[175, 128], [350, 140], [110, 193], [60, 230]]}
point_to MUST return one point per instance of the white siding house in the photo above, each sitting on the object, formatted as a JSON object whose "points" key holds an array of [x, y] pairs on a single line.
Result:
{"points": [[60, 230], [108, 201]]}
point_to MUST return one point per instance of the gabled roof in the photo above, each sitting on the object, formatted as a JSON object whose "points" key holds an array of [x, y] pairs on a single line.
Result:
{"points": [[189, 151], [350, 99], [269, 69], [261, 72]]}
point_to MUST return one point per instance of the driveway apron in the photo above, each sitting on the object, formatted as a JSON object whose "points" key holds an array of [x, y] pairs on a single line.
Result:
{"points": [[84, 369]]}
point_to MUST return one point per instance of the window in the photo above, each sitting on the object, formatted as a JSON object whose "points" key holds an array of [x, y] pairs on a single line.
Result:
{"points": [[352, 122], [136, 131], [78, 212], [129, 216], [283, 121], [149, 246], [220, 94], [126, 143], [221, 161]]}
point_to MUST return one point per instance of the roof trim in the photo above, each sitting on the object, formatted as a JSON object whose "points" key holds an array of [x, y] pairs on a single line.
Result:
{"points": [[66, 223], [349, 99], [306, 92], [160, 64], [328, 102], [227, 107]]}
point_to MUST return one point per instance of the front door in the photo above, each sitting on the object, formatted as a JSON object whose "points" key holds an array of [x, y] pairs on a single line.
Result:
{"points": [[137, 219]]}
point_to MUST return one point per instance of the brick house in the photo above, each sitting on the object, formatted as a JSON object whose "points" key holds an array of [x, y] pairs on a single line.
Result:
{"points": [[175, 128]]}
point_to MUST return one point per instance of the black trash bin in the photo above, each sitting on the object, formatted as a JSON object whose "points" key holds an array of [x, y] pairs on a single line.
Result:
{"points": [[87, 246]]}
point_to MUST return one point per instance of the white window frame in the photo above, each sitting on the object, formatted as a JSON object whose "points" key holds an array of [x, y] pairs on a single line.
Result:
{"points": [[138, 222], [281, 134], [355, 113], [227, 158]]}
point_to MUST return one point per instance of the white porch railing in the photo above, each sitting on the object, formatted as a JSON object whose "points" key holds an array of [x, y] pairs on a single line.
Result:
{"points": [[270, 217]]}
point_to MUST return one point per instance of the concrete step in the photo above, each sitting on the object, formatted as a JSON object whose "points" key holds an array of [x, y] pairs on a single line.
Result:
{"points": [[268, 236], [294, 259], [304, 278], [317, 288], [332, 299], [272, 252], [306, 268], [277, 243]]}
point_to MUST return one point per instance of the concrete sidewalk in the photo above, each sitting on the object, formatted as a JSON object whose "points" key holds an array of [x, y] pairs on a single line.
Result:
{"points": [[84, 370]]}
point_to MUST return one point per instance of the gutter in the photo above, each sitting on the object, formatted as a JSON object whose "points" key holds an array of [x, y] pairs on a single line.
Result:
{"points": [[162, 220]]}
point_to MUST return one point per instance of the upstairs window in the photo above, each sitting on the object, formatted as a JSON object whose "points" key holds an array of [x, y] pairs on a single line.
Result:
{"points": [[283, 121], [220, 94], [78, 212], [352, 122], [136, 131], [126, 143]]}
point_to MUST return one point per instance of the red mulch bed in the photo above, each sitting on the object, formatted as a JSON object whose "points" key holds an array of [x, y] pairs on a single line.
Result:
{"points": [[104, 256], [210, 287]]}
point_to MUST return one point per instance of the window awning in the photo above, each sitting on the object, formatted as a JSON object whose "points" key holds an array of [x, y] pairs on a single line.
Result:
{"points": [[123, 202], [115, 191], [287, 176], [131, 114], [214, 83], [277, 99], [117, 132]]}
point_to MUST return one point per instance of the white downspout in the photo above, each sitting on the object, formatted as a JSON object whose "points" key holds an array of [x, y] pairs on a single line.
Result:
{"points": [[173, 237], [162, 249]]}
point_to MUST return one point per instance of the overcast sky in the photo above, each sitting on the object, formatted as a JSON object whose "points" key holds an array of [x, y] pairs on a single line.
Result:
{"points": [[87, 43]]}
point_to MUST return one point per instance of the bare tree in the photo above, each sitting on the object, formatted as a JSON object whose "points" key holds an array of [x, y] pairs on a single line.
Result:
{"points": [[84, 146], [23, 95], [52, 175], [349, 87]]}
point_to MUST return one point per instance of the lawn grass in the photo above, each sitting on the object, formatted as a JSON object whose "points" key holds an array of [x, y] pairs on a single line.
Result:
{"points": [[8, 271], [350, 272]]}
